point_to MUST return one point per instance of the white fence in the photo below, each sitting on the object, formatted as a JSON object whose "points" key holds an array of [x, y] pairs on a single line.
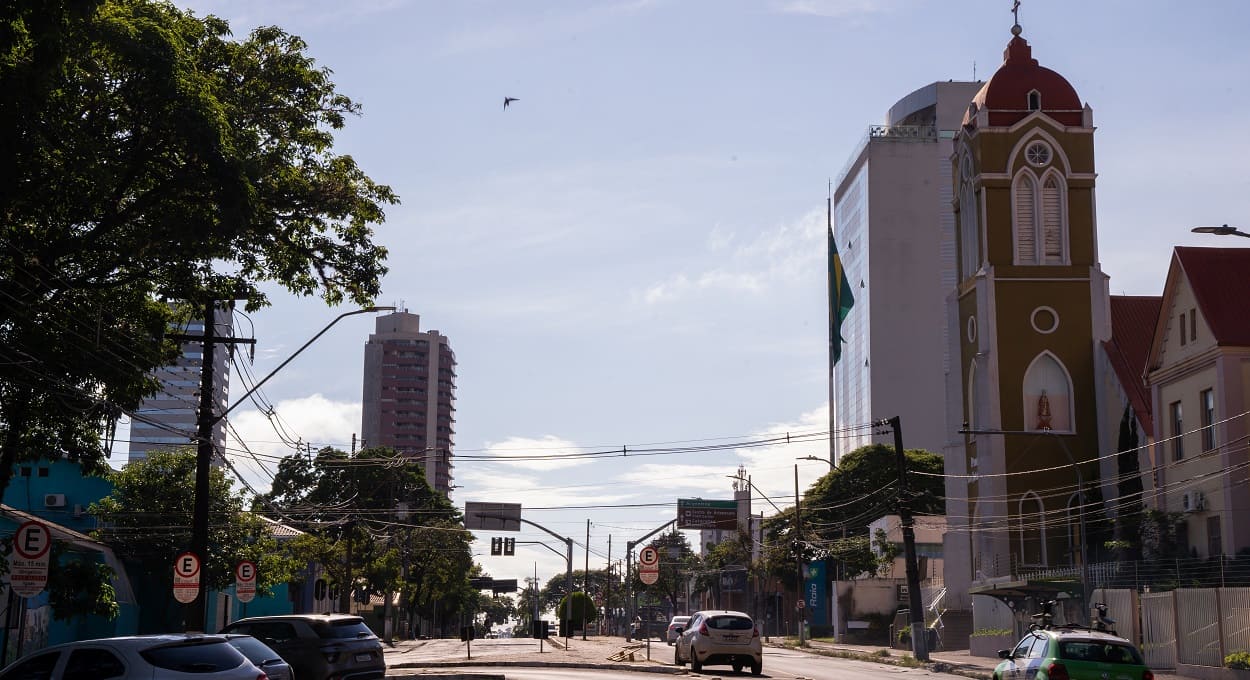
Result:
{"points": [[1193, 626]]}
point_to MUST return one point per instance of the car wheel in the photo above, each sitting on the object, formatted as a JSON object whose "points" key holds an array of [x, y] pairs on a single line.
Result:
{"points": [[695, 664], [757, 668], [737, 667]]}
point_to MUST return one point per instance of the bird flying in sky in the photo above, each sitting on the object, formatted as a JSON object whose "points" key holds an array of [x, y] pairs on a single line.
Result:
{"points": [[508, 100]]}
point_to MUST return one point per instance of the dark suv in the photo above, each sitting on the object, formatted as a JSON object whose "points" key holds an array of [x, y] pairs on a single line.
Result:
{"points": [[319, 646]]}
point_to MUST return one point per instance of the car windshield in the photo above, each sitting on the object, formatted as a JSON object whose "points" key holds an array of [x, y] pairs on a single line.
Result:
{"points": [[342, 629], [197, 656], [1099, 651], [729, 623]]}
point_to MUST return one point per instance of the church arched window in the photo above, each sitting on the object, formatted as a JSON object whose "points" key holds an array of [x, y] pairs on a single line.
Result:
{"points": [[1047, 395], [1035, 100], [1040, 227], [1032, 531], [969, 232], [1026, 219], [1052, 220]]}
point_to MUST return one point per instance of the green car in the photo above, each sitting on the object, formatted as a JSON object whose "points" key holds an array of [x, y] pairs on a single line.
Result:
{"points": [[1071, 653]]}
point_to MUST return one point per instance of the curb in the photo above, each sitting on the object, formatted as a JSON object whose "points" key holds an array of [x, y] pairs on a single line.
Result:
{"points": [[935, 665], [452, 676], [669, 670]]}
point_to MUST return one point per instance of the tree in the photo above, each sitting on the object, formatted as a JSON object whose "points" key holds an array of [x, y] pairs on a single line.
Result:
{"points": [[498, 609], [678, 562], [147, 521], [403, 536], [145, 151], [574, 609]]}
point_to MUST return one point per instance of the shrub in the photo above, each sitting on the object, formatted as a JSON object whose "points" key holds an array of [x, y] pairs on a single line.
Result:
{"points": [[1238, 660], [990, 632]]}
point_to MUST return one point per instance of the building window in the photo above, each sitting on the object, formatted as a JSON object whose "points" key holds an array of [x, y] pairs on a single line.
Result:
{"points": [[1032, 531], [1182, 328], [969, 233], [43, 472], [1026, 223], [1035, 100], [1047, 395], [1178, 429], [1207, 400], [1193, 325], [1039, 217], [1215, 542]]}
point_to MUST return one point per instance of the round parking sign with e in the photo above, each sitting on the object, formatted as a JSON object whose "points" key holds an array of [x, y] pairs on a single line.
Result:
{"points": [[28, 563], [186, 577], [245, 581], [648, 556]]}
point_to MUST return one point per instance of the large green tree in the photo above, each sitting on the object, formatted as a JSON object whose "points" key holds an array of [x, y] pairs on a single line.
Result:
{"points": [[149, 156], [147, 521], [377, 507], [678, 562]]}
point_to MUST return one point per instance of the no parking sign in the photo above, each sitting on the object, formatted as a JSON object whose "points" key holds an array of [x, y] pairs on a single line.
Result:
{"points": [[186, 577]]}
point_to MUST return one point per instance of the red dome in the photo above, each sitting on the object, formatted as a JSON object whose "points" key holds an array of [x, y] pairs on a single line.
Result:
{"points": [[1008, 93]]}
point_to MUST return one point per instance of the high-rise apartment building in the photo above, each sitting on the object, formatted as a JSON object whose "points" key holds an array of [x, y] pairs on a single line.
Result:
{"points": [[410, 395], [167, 419], [895, 233]]}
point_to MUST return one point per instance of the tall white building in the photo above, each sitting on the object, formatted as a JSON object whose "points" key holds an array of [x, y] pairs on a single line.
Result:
{"points": [[167, 419], [895, 231]]}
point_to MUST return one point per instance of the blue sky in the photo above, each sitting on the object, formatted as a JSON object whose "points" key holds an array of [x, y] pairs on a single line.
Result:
{"points": [[633, 252]]}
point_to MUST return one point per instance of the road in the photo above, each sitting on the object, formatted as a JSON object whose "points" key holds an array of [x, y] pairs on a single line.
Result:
{"points": [[783, 664]]}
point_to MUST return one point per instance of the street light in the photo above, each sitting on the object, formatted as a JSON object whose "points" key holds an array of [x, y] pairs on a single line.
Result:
{"points": [[204, 450], [832, 465], [1222, 230], [1080, 496]]}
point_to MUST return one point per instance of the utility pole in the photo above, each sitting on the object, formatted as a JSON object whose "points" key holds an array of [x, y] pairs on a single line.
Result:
{"points": [[800, 610], [585, 582], [345, 590], [919, 643], [607, 598]]}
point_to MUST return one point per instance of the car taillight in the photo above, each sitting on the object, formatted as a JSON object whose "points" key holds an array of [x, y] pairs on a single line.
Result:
{"points": [[1147, 675], [755, 632], [262, 676], [703, 629], [1057, 671]]}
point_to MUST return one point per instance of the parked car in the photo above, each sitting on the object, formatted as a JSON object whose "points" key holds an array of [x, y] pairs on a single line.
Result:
{"points": [[261, 656], [172, 657], [319, 646], [1072, 653], [674, 628], [720, 638]]}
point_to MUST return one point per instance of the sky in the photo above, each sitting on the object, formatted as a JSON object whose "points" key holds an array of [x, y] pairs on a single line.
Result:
{"points": [[632, 254]]}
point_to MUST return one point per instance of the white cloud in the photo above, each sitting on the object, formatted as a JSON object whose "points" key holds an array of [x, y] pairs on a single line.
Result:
{"points": [[788, 253], [548, 445], [313, 419]]}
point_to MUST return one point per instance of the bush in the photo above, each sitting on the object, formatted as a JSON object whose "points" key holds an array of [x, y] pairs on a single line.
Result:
{"points": [[904, 636], [1238, 660]]}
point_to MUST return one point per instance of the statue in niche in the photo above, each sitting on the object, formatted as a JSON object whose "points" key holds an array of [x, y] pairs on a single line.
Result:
{"points": [[1043, 412]]}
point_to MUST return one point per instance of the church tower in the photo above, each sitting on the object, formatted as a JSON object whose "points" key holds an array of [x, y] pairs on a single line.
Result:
{"points": [[1026, 318]]}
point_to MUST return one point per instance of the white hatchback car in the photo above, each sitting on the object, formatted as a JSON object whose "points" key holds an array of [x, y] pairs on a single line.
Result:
{"points": [[719, 638], [170, 657]]}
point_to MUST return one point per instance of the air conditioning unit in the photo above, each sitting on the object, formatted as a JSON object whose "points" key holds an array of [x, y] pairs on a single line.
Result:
{"points": [[1193, 501], [54, 500]]}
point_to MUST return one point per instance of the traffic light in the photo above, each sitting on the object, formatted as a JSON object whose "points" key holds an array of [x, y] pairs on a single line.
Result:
{"points": [[509, 546], [496, 546], [503, 546]]}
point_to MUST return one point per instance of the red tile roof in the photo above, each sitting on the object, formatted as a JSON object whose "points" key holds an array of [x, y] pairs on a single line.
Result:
{"points": [[1220, 280], [1133, 319]]}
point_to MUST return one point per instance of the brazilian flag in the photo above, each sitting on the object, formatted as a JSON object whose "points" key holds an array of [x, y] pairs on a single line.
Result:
{"points": [[840, 299]]}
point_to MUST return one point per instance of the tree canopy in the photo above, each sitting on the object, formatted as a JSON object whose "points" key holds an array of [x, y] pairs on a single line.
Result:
{"points": [[149, 157]]}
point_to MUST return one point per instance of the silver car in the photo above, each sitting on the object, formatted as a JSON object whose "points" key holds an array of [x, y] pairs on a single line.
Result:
{"points": [[720, 638], [172, 657], [261, 656]]}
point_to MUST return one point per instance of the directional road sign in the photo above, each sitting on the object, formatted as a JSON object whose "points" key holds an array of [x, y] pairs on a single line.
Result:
{"points": [[186, 577], [492, 516], [28, 563]]}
